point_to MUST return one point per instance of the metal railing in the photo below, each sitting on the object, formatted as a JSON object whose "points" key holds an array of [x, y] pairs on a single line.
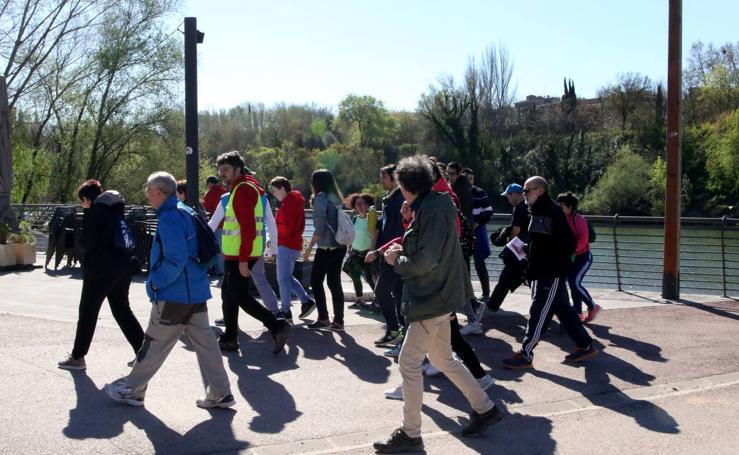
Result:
{"points": [[627, 254]]}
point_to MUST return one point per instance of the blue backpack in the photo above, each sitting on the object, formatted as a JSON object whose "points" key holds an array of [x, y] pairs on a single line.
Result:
{"points": [[208, 248], [123, 238]]}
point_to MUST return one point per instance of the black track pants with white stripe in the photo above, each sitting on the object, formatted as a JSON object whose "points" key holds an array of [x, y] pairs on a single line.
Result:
{"points": [[549, 297]]}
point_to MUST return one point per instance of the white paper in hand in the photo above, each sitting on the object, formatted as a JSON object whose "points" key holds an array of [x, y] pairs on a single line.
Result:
{"points": [[516, 247]]}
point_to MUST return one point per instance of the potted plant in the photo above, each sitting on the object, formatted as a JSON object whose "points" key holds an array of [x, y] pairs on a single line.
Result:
{"points": [[24, 245], [7, 252]]}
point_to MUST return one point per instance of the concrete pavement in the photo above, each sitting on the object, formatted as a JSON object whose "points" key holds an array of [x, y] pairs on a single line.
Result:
{"points": [[667, 381]]}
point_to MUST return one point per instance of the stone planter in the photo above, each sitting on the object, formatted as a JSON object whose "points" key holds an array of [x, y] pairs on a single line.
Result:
{"points": [[25, 254], [7, 255]]}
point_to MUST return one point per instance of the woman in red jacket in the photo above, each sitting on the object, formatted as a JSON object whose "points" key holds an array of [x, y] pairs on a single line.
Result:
{"points": [[583, 257], [290, 221]]}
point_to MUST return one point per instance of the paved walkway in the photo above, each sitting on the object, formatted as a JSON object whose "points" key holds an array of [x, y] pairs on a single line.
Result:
{"points": [[666, 382]]}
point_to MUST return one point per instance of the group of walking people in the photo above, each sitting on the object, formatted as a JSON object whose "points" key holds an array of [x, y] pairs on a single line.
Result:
{"points": [[416, 258]]}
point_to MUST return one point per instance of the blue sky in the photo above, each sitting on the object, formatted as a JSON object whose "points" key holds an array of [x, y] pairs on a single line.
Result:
{"points": [[320, 51]]}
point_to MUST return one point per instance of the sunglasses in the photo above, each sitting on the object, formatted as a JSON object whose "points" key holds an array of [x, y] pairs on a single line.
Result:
{"points": [[527, 190]]}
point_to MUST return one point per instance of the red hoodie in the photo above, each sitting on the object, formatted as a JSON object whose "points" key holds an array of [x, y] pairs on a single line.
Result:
{"points": [[212, 198], [290, 221], [244, 201], [442, 186]]}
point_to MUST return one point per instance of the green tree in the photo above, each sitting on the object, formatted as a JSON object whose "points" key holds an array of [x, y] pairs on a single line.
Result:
{"points": [[723, 158], [623, 189], [365, 119]]}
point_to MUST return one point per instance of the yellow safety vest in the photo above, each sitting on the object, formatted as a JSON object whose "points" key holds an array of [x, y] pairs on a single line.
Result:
{"points": [[231, 238]]}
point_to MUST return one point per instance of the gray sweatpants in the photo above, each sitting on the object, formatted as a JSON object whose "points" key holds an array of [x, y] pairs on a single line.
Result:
{"points": [[167, 323], [265, 290]]}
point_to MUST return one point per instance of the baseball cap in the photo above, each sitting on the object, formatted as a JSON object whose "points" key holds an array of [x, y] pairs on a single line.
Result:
{"points": [[512, 188]]}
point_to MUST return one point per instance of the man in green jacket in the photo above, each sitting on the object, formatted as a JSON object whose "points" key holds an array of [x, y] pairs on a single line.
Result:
{"points": [[432, 267]]}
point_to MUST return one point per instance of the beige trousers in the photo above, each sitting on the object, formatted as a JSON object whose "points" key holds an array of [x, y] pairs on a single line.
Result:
{"points": [[167, 323], [433, 337]]}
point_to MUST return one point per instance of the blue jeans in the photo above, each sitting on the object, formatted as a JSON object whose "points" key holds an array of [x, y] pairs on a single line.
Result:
{"points": [[263, 287], [289, 285], [219, 261]]}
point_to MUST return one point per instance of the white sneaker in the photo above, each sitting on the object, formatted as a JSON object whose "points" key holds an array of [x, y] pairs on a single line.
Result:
{"points": [[486, 381], [430, 370], [395, 393], [473, 328], [121, 392]]}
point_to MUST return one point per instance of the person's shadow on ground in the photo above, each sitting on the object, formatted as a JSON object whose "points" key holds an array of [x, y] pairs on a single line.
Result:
{"points": [[645, 413], [597, 387], [646, 351], [516, 433], [366, 365], [97, 417], [253, 364]]}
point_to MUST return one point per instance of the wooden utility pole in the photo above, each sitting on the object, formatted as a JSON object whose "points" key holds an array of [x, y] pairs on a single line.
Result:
{"points": [[671, 270], [192, 38]]}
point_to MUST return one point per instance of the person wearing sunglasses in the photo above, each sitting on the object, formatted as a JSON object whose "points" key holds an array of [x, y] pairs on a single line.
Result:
{"points": [[550, 247]]}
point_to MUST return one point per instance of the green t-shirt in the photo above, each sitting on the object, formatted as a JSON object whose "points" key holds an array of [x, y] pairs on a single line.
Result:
{"points": [[362, 237]]}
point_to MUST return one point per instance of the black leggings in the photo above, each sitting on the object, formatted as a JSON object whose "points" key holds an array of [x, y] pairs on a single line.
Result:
{"points": [[464, 351], [389, 294], [483, 276], [93, 293], [327, 265]]}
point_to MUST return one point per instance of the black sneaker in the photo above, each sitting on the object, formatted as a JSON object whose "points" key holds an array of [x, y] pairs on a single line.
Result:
{"points": [[307, 308], [399, 442], [336, 326], [222, 402], [493, 306], [371, 306], [280, 336], [288, 316], [581, 354], [390, 338], [357, 305], [280, 315], [70, 363], [227, 345], [517, 361], [319, 324], [478, 422]]}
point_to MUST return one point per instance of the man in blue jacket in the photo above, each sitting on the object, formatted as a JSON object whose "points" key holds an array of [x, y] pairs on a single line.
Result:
{"points": [[178, 288]]}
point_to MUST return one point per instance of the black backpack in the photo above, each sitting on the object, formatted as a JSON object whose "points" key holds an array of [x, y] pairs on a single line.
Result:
{"points": [[591, 231], [123, 238], [208, 248]]}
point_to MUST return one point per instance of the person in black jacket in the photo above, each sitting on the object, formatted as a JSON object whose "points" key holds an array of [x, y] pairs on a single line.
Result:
{"points": [[551, 245], [512, 274], [389, 286], [107, 273], [482, 213], [462, 187]]}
